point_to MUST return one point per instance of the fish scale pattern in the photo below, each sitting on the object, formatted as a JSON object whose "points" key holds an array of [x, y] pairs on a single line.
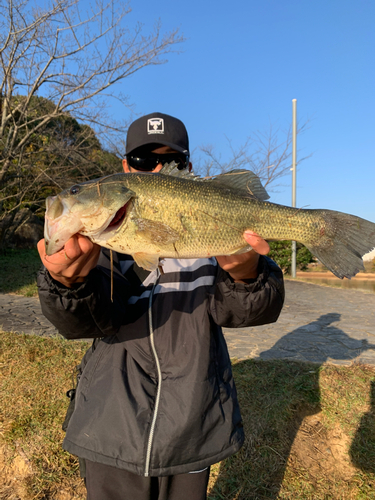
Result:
{"points": [[161, 216]]}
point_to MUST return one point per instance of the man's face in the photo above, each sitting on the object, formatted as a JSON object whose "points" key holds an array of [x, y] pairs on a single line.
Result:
{"points": [[163, 150]]}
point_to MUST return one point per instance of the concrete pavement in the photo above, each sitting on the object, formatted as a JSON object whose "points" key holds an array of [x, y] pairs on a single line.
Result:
{"points": [[318, 324]]}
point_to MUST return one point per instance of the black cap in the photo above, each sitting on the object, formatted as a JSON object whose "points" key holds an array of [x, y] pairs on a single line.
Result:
{"points": [[158, 128]]}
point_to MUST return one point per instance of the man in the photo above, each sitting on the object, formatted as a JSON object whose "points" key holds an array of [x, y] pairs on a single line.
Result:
{"points": [[156, 403]]}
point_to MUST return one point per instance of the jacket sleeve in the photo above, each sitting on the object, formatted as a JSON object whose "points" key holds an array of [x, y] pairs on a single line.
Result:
{"points": [[235, 305], [85, 310]]}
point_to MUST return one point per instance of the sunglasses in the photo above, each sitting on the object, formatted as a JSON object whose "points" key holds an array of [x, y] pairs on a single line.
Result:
{"points": [[152, 160]]}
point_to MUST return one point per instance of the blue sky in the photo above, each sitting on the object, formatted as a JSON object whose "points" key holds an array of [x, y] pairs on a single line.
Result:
{"points": [[242, 64]]}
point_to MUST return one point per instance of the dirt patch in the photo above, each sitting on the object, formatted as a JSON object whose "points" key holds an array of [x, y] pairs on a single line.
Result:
{"points": [[15, 471], [17, 474], [322, 452]]}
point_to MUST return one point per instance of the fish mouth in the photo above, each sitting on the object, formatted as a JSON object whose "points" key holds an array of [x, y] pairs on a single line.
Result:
{"points": [[117, 220], [61, 224]]}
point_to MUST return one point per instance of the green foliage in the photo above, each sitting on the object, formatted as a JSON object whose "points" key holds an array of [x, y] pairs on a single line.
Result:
{"points": [[281, 253], [48, 153]]}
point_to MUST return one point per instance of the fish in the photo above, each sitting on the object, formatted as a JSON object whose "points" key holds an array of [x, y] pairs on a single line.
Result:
{"points": [[176, 214]]}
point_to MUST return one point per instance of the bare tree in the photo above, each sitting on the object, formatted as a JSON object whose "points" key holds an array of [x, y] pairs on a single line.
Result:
{"points": [[59, 54], [268, 154]]}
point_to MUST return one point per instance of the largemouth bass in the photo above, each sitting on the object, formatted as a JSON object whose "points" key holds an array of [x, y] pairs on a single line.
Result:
{"points": [[154, 216]]}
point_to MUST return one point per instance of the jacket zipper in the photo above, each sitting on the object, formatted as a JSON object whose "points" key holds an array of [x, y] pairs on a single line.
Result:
{"points": [[159, 377]]}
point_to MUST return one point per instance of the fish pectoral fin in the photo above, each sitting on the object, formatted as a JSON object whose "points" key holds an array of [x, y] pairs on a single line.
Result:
{"points": [[245, 249], [146, 260], [156, 232]]}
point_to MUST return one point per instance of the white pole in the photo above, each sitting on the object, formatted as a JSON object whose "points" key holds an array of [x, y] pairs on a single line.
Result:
{"points": [[294, 181]]}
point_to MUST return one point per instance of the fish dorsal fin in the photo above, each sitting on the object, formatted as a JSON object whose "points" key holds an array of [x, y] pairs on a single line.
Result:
{"points": [[243, 181], [172, 169], [169, 168]]}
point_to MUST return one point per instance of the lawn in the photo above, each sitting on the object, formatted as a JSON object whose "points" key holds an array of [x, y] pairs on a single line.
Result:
{"points": [[310, 430], [18, 269]]}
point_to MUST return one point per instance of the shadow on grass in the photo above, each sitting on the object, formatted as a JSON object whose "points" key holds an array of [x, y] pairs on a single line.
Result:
{"points": [[362, 450], [275, 396]]}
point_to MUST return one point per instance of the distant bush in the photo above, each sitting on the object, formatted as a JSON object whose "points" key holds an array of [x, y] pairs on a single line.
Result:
{"points": [[281, 253]]}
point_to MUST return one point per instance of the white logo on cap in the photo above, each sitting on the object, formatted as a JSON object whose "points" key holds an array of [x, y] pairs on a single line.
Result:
{"points": [[155, 126]]}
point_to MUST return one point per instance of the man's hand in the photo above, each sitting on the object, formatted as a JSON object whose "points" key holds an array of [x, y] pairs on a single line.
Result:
{"points": [[245, 265], [74, 262]]}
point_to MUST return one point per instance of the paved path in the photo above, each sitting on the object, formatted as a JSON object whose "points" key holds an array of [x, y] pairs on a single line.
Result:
{"points": [[318, 324]]}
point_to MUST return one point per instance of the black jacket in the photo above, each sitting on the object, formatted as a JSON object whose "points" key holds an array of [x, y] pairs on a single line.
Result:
{"points": [[157, 396]]}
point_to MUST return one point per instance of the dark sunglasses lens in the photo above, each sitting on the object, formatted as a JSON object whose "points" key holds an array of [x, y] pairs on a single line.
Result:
{"points": [[148, 163], [144, 164]]}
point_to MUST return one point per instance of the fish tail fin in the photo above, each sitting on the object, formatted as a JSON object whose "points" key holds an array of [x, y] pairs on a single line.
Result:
{"points": [[344, 240]]}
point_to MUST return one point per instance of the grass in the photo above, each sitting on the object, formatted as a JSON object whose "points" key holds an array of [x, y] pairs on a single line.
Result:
{"points": [[293, 413], [35, 374], [310, 429], [310, 433], [18, 269]]}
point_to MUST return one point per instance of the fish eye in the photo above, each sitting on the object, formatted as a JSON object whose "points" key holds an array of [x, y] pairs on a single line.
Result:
{"points": [[74, 190]]}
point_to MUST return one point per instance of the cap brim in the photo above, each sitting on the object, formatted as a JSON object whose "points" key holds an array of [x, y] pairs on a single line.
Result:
{"points": [[163, 143]]}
